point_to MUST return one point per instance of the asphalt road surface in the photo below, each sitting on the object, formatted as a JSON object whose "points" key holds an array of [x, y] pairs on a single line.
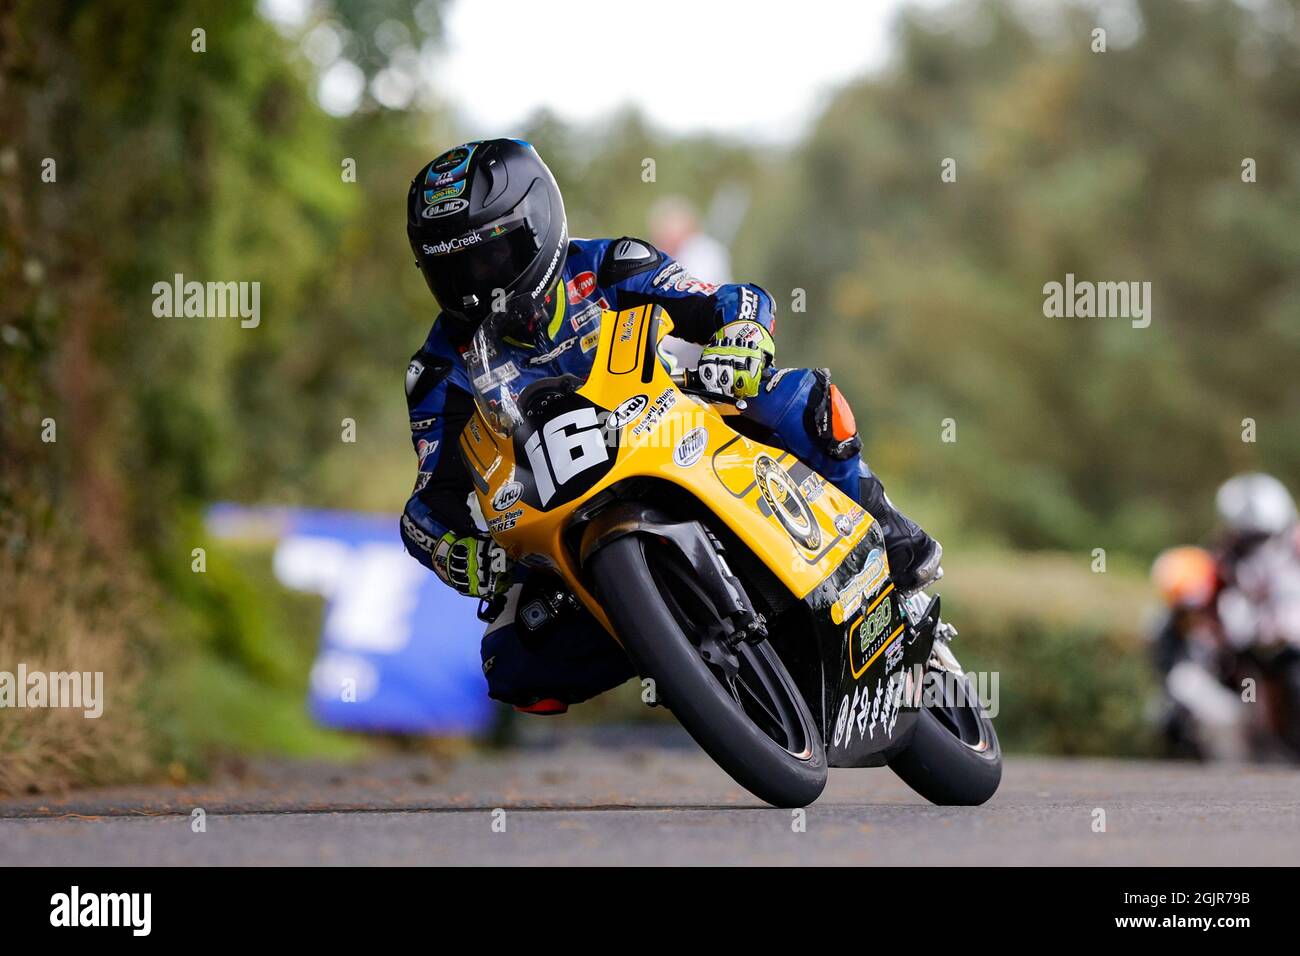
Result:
{"points": [[639, 802]]}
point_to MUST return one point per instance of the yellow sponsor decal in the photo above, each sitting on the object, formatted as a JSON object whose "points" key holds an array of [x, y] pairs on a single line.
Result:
{"points": [[629, 345]]}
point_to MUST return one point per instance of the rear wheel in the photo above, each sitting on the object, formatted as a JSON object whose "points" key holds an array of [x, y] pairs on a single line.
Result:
{"points": [[739, 703], [954, 758]]}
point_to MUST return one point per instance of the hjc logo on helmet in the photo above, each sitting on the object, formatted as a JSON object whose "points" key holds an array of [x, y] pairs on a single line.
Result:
{"points": [[444, 208]]}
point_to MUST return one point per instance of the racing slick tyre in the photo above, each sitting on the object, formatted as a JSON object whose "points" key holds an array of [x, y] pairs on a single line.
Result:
{"points": [[954, 758], [739, 703]]}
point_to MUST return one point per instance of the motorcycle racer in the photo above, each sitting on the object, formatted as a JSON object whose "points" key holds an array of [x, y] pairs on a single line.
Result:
{"points": [[1227, 612], [1253, 509], [486, 223]]}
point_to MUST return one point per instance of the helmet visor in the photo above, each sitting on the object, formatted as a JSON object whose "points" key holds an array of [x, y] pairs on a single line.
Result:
{"points": [[464, 273]]}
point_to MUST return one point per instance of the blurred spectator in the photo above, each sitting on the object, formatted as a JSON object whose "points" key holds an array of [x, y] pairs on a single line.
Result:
{"points": [[675, 229]]}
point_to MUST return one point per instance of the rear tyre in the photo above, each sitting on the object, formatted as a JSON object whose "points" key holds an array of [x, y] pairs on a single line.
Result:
{"points": [[738, 703], [954, 758]]}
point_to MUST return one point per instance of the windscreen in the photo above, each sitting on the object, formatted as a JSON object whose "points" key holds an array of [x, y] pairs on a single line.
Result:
{"points": [[495, 375]]}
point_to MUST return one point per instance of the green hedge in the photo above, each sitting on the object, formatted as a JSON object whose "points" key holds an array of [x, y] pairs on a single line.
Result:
{"points": [[1067, 645]]}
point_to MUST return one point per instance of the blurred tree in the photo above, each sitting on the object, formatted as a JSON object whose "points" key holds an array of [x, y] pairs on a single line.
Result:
{"points": [[139, 142], [612, 171], [927, 296], [216, 165]]}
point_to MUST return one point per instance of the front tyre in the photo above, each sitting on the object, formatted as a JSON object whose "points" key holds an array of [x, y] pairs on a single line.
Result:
{"points": [[738, 703], [954, 758]]}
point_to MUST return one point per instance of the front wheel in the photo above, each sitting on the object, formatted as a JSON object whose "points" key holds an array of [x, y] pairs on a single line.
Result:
{"points": [[739, 703], [954, 758]]}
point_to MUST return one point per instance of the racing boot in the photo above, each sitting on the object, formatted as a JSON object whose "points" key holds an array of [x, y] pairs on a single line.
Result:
{"points": [[913, 555]]}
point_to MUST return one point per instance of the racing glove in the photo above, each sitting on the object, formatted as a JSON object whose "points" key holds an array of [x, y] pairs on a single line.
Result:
{"points": [[478, 567], [732, 363]]}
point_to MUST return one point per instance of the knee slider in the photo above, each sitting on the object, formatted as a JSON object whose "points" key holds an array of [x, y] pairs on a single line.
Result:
{"points": [[829, 419]]}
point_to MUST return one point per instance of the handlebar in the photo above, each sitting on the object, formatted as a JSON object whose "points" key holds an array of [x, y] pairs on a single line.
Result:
{"points": [[681, 378], [688, 381]]}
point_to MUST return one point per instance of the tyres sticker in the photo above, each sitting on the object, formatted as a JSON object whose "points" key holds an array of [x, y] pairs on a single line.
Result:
{"points": [[787, 502]]}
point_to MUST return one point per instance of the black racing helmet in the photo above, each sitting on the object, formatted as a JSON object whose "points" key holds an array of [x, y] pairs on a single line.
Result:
{"points": [[486, 223]]}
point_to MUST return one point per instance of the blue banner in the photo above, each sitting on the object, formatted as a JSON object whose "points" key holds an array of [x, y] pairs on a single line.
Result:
{"points": [[399, 650]]}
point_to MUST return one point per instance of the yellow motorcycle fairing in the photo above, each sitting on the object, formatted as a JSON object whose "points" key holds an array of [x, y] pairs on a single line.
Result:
{"points": [[798, 524]]}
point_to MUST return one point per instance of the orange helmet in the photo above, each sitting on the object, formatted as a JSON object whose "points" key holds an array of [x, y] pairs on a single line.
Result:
{"points": [[1186, 577]]}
